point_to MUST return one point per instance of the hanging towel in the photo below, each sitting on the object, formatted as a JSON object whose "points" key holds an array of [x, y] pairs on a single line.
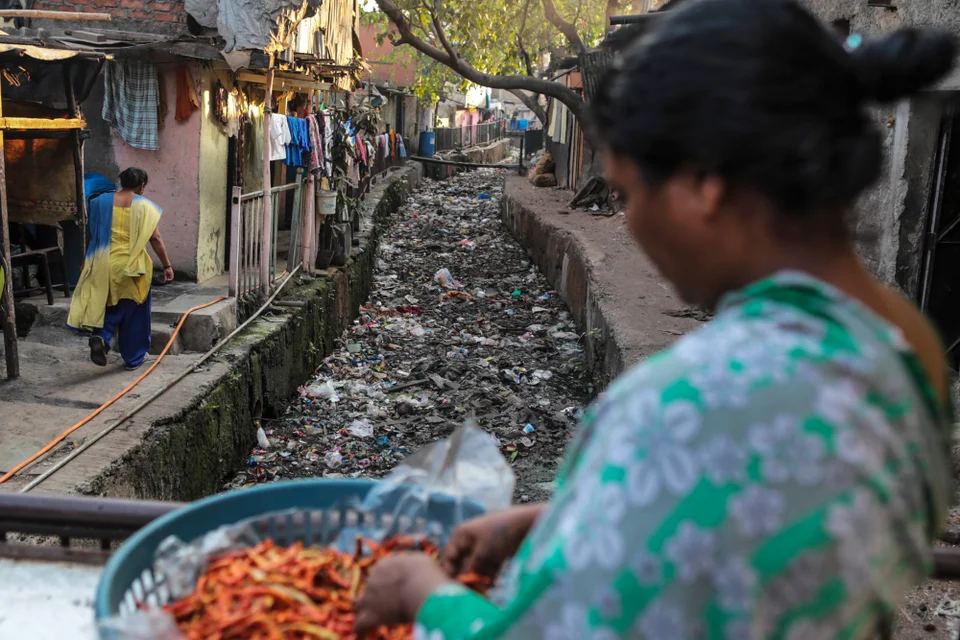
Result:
{"points": [[298, 151], [131, 101], [187, 101], [294, 156], [402, 148], [279, 136], [552, 116]]}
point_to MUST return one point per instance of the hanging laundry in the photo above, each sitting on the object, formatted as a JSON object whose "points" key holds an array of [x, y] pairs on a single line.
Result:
{"points": [[187, 101], [316, 151], [299, 144], [552, 118], [361, 148], [401, 148], [393, 144], [131, 101], [220, 104], [279, 136], [328, 144], [161, 102]]}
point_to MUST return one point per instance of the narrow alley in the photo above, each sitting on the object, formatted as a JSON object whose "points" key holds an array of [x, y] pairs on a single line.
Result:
{"points": [[459, 325]]}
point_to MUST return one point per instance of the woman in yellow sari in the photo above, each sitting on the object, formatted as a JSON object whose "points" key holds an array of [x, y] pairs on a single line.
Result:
{"points": [[113, 293]]}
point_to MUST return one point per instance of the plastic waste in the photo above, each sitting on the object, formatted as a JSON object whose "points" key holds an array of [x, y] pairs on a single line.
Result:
{"points": [[468, 466], [444, 278], [262, 438], [322, 390], [333, 458], [360, 429]]}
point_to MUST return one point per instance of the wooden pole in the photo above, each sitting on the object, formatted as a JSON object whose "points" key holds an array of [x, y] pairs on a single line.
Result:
{"points": [[10, 320], [266, 245], [77, 16], [309, 240], [77, 157]]}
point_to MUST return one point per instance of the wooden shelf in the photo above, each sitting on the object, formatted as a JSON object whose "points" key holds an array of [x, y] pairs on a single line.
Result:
{"points": [[44, 124]]}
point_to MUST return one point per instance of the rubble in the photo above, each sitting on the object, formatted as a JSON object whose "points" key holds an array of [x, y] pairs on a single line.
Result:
{"points": [[459, 324]]}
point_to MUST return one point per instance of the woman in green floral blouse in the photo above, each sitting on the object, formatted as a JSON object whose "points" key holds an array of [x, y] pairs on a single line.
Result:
{"points": [[782, 472]]}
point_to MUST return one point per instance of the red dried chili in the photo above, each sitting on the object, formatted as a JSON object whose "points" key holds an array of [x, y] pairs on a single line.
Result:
{"points": [[273, 593]]}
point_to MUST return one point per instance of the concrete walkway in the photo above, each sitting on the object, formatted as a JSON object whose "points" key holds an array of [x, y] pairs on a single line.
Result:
{"points": [[617, 298], [183, 444]]}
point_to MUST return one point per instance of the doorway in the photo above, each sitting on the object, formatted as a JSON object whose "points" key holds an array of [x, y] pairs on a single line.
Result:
{"points": [[939, 291]]}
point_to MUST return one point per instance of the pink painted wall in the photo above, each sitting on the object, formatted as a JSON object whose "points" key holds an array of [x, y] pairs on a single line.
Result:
{"points": [[174, 178]]}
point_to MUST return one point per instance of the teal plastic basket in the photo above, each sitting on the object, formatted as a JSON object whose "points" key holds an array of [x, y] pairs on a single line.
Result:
{"points": [[314, 512]]}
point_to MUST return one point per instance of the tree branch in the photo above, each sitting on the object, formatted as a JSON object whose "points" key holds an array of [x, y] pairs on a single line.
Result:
{"points": [[613, 7], [527, 63], [441, 34], [556, 90], [568, 30]]}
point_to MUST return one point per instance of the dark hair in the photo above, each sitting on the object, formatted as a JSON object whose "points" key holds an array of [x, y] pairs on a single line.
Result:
{"points": [[132, 178], [764, 95]]}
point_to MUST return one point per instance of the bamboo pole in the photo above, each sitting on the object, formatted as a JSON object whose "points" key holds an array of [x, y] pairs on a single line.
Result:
{"points": [[266, 255], [10, 320], [77, 16]]}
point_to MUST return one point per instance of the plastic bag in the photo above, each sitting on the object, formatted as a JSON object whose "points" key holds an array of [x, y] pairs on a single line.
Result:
{"points": [[468, 466], [467, 469]]}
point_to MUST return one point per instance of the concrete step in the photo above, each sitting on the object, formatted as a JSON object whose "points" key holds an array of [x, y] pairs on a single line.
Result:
{"points": [[204, 327], [161, 335]]}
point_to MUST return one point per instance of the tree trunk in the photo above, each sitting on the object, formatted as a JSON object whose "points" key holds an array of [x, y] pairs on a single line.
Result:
{"points": [[613, 8]]}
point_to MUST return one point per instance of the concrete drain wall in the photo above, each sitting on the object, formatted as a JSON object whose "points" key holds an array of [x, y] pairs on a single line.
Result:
{"points": [[187, 456]]}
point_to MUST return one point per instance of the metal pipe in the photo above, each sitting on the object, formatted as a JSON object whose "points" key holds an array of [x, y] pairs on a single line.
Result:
{"points": [[190, 369], [108, 513], [469, 165]]}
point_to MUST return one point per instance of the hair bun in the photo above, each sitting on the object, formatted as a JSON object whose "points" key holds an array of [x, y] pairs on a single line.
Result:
{"points": [[903, 62]]}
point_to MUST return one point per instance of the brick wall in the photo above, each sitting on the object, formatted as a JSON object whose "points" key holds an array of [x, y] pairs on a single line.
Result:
{"points": [[153, 16]]}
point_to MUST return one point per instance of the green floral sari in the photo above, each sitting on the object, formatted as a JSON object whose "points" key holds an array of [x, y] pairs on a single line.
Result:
{"points": [[780, 473]]}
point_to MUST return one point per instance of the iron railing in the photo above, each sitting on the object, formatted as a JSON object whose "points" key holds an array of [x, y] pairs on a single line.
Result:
{"points": [[71, 520], [449, 138], [247, 237]]}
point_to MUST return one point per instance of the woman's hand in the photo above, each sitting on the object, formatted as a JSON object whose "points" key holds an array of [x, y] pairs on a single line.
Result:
{"points": [[167, 275], [483, 544], [396, 589]]}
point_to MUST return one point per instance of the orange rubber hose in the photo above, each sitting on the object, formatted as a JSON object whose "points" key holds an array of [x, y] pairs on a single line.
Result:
{"points": [[48, 447]]}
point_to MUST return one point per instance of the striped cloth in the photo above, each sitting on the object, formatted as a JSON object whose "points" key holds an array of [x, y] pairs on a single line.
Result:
{"points": [[131, 98]]}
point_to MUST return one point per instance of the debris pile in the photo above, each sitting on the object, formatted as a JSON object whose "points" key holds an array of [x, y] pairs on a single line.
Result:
{"points": [[460, 324]]}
